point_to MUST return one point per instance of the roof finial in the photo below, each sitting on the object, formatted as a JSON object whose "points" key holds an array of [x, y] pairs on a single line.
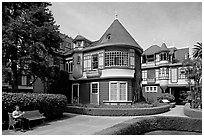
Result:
{"points": [[116, 14], [154, 41], [163, 39], [173, 44]]}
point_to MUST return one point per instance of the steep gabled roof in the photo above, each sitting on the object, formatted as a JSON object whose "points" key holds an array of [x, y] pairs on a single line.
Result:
{"points": [[80, 37], [180, 54], [164, 48], [116, 34], [172, 50], [152, 50]]}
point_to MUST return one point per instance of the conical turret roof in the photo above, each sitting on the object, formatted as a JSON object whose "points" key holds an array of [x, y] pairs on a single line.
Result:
{"points": [[116, 34]]}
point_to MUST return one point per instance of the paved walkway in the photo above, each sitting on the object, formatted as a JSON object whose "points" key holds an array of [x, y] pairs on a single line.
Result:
{"points": [[73, 124]]}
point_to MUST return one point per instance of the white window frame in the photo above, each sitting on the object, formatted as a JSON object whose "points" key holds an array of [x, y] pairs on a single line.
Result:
{"points": [[111, 58], [92, 92], [174, 76], [144, 75], [151, 91], [118, 90], [23, 80]]}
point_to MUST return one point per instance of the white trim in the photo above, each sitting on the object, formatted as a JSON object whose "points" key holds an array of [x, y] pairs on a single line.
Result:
{"points": [[151, 91], [77, 92], [94, 93], [118, 90]]}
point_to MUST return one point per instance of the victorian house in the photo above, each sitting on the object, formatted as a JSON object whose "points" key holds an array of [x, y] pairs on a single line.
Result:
{"points": [[163, 72], [106, 71]]}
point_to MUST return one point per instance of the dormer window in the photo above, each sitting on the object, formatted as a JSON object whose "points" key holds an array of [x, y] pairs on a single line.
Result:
{"points": [[78, 43], [108, 37], [150, 58], [164, 56]]}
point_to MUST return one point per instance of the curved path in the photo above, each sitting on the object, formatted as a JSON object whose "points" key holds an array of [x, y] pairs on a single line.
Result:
{"points": [[74, 124]]}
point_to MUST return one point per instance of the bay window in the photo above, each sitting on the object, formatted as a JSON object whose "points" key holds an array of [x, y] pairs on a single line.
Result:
{"points": [[116, 58]]}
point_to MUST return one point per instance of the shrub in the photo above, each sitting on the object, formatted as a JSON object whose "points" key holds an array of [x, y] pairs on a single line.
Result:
{"points": [[52, 105], [167, 96], [147, 124], [117, 111]]}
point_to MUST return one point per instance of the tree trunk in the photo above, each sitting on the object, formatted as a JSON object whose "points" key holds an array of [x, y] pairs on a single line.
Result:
{"points": [[14, 77]]}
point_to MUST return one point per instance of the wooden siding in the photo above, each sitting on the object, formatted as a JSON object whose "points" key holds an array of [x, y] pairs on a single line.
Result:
{"points": [[103, 91], [84, 92]]}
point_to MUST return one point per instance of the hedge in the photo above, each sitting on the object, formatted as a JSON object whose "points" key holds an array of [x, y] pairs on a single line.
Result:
{"points": [[117, 111], [194, 113], [138, 126], [52, 105], [167, 96]]}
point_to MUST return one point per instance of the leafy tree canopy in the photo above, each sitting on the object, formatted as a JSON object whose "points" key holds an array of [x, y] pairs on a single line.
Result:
{"points": [[29, 36]]}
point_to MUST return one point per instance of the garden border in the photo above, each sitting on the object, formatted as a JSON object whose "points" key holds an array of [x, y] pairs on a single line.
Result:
{"points": [[138, 126], [194, 113], [117, 111]]}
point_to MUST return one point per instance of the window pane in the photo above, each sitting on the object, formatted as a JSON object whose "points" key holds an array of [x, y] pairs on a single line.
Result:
{"points": [[116, 58], [24, 80], [95, 61], [122, 91], [94, 88], [113, 91]]}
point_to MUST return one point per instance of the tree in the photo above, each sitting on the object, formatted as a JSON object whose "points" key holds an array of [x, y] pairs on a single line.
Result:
{"points": [[197, 50], [194, 73], [29, 36]]}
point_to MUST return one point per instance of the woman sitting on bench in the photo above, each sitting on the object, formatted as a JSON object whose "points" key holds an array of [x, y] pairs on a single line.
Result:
{"points": [[18, 115]]}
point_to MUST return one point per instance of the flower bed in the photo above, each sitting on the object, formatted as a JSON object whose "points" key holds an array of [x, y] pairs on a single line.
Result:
{"points": [[117, 110], [194, 113], [139, 126]]}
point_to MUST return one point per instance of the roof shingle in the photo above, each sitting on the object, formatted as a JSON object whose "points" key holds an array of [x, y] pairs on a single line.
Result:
{"points": [[116, 34]]}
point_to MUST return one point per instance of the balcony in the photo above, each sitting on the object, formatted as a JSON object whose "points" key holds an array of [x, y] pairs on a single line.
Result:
{"points": [[93, 73]]}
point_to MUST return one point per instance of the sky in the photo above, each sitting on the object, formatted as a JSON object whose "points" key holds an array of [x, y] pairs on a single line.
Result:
{"points": [[177, 24]]}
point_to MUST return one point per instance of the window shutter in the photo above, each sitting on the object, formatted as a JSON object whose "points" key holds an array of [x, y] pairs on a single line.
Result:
{"points": [[122, 91], [101, 60], [132, 58], [88, 62], [85, 63], [113, 91]]}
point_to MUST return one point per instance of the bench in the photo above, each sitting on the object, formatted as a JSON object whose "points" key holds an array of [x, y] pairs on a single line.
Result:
{"points": [[33, 115]]}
